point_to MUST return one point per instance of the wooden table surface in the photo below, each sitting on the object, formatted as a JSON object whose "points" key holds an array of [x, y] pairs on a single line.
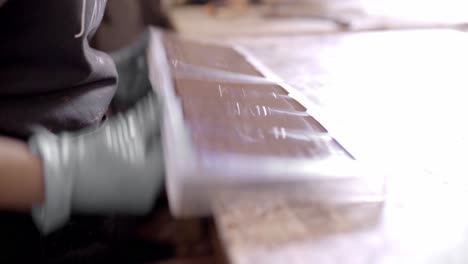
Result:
{"points": [[397, 100]]}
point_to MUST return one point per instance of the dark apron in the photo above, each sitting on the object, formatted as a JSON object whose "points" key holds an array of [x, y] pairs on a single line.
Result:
{"points": [[49, 76]]}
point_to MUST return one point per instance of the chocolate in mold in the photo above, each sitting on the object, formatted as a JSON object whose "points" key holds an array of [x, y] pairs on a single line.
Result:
{"points": [[211, 56], [276, 141], [296, 123], [231, 114], [243, 107], [195, 88], [242, 117]]}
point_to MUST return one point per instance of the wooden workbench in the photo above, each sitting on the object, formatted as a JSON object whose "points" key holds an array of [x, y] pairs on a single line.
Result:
{"points": [[399, 99]]}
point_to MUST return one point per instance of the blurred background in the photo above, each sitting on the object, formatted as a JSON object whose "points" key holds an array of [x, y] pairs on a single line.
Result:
{"points": [[283, 34], [231, 19]]}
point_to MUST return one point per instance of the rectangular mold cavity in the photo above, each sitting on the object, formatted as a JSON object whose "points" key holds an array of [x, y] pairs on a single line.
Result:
{"points": [[215, 89], [207, 56]]}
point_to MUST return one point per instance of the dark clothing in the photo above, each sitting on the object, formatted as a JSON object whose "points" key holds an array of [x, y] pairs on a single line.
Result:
{"points": [[49, 75], [125, 21]]}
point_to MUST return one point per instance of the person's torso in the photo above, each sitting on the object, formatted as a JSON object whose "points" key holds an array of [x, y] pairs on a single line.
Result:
{"points": [[49, 75]]}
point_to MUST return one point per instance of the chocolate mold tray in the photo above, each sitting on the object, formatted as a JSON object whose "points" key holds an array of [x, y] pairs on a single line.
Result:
{"points": [[230, 126]]}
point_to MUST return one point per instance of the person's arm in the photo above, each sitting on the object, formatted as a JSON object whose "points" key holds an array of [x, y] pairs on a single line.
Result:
{"points": [[21, 184], [116, 168]]}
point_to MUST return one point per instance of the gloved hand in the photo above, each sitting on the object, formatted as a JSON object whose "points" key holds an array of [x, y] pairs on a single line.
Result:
{"points": [[116, 168], [132, 68]]}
